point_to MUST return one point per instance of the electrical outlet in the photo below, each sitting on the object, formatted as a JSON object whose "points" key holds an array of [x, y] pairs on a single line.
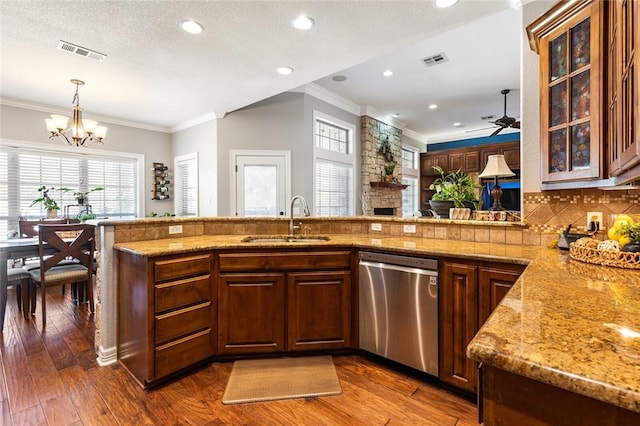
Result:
{"points": [[409, 229], [594, 221], [175, 229], [376, 227]]}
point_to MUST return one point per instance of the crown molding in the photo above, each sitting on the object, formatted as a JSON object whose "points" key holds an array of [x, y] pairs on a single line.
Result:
{"points": [[55, 110], [212, 116], [329, 97]]}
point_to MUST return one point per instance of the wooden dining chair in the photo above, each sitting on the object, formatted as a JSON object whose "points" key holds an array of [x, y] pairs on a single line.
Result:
{"points": [[56, 246], [29, 228]]}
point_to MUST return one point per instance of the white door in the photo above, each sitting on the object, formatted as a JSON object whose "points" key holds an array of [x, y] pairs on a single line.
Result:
{"points": [[260, 182]]}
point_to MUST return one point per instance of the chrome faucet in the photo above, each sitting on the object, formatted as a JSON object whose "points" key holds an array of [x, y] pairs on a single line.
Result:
{"points": [[305, 208]]}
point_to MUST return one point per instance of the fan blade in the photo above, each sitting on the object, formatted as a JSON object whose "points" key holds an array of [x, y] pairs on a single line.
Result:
{"points": [[478, 130], [498, 130], [516, 125]]}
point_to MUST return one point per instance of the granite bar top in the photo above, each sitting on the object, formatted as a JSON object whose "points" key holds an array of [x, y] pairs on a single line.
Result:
{"points": [[571, 325], [565, 323]]}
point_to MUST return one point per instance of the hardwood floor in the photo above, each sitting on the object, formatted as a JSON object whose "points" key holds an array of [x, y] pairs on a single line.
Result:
{"points": [[50, 377]]}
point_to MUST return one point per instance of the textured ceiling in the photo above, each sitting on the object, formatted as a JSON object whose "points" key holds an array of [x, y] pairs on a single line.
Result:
{"points": [[158, 76]]}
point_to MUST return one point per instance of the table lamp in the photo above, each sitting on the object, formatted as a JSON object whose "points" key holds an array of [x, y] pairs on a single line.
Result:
{"points": [[496, 167]]}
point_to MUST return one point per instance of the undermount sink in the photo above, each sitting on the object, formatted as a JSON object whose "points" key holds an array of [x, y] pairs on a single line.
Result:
{"points": [[285, 239]]}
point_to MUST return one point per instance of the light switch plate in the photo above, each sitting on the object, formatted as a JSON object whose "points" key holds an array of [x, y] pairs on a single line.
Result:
{"points": [[376, 227], [175, 229], [409, 229]]}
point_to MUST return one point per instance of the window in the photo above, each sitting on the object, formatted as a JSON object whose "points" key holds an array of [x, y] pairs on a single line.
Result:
{"points": [[333, 164], [186, 185], [26, 168], [410, 201]]}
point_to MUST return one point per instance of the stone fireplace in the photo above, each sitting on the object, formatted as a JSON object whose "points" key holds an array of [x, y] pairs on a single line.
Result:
{"points": [[373, 134]]}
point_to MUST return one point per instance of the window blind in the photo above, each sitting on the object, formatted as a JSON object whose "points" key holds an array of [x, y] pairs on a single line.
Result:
{"points": [[334, 188], [25, 170], [186, 185]]}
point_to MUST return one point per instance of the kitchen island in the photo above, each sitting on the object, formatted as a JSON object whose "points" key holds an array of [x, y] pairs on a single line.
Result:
{"points": [[563, 347], [558, 326]]}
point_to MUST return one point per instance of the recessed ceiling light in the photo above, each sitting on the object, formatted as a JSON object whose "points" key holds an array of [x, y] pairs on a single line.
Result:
{"points": [[339, 78], [192, 27], [387, 73], [396, 114], [302, 22], [433, 106], [458, 124], [445, 3], [285, 70]]}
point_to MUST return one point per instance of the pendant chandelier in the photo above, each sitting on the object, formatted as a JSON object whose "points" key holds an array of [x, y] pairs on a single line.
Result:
{"points": [[81, 132]]}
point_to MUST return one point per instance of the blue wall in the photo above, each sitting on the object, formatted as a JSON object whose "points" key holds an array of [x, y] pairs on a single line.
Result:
{"points": [[463, 143]]}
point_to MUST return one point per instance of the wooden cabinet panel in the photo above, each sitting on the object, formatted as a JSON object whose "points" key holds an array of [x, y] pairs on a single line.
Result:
{"points": [[181, 322], [164, 325], [472, 162], [251, 313], [469, 291], [182, 267], [274, 261], [494, 285], [319, 310], [182, 353], [456, 161], [175, 294], [458, 324], [512, 157]]}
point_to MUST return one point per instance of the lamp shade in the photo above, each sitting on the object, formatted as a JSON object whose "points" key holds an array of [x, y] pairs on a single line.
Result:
{"points": [[496, 167]]}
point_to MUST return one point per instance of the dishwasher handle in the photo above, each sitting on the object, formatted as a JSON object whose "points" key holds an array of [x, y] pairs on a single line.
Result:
{"points": [[407, 269]]}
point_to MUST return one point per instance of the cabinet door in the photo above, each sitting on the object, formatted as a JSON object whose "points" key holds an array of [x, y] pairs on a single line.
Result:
{"points": [[251, 316], [570, 83], [623, 77], [458, 323], [318, 307], [494, 284]]}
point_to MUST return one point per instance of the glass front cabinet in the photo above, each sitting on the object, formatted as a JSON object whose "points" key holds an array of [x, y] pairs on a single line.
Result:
{"points": [[571, 131]]}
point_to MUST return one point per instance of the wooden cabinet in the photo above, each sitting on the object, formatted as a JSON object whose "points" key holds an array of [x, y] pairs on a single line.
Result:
{"points": [[571, 92], [166, 313], [318, 310], [284, 301], [469, 160], [469, 291], [623, 93], [251, 315]]}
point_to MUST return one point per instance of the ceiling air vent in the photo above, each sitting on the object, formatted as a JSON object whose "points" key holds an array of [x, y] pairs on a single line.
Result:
{"points": [[79, 50], [487, 117], [432, 60]]}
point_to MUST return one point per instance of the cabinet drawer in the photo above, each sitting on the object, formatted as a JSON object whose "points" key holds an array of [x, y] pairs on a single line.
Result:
{"points": [[243, 262], [182, 353], [182, 267], [181, 322], [175, 294]]}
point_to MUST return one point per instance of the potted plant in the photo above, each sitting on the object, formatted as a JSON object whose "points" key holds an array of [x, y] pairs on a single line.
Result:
{"points": [[453, 189], [81, 196], [48, 203]]}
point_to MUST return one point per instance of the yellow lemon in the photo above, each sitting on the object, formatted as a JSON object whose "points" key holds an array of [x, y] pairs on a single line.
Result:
{"points": [[612, 234], [624, 240]]}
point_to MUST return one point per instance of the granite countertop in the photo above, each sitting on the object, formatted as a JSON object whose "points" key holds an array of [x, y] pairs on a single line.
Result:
{"points": [[566, 323], [571, 325]]}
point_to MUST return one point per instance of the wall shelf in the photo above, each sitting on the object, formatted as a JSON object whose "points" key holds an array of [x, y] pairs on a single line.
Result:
{"points": [[392, 185]]}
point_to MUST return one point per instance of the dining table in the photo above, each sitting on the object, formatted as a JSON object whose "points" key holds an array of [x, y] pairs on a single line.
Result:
{"points": [[14, 248]]}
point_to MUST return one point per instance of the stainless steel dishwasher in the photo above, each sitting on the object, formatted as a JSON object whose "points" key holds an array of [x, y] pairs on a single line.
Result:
{"points": [[398, 316]]}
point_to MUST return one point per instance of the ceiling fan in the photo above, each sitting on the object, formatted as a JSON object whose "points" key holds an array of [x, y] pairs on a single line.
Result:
{"points": [[505, 121]]}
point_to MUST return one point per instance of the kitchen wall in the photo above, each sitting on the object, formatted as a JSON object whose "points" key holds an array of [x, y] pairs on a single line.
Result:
{"points": [[27, 125], [201, 139], [282, 122]]}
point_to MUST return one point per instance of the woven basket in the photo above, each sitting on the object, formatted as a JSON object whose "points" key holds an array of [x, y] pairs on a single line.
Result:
{"points": [[619, 259]]}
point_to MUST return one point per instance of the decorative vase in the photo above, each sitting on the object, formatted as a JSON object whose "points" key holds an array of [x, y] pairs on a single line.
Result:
{"points": [[52, 214], [441, 207], [388, 178]]}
